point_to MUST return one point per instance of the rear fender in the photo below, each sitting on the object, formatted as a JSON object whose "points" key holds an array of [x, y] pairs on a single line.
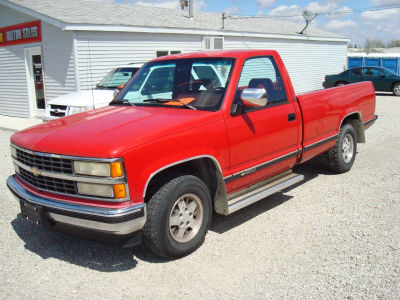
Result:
{"points": [[354, 118]]}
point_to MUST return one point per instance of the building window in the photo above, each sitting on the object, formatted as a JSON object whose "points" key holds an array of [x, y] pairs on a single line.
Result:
{"points": [[160, 53], [213, 43]]}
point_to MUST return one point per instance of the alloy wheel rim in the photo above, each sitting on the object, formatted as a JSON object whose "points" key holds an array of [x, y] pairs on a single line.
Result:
{"points": [[348, 148], [397, 89], [186, 218]]}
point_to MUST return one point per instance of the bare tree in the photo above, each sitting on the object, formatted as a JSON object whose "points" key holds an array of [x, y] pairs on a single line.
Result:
{"points": [[393, 43], [373, 45]]}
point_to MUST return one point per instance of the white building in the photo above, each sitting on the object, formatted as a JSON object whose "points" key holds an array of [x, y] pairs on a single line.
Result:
{"points": [[50, 48]]}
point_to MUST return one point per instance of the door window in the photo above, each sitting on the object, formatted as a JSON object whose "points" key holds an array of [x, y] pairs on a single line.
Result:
{"points": [[262, 72], [355, 72], [371, 72]]}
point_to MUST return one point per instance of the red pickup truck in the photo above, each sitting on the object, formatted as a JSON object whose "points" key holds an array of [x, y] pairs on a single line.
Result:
{"points": [[189, 135]]}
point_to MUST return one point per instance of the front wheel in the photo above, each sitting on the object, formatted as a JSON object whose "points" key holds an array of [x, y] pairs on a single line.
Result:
{"points": [[340, 83], [396, 89], [341, 157], [178, 217]]}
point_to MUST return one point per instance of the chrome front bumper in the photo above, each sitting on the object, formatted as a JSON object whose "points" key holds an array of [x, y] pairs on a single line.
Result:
{"points": [[120, 221]]}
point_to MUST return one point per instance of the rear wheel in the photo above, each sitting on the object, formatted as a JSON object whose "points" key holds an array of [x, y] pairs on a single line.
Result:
{"points": [[340, 83], [341, 157], [178, 217], [396, 89]]}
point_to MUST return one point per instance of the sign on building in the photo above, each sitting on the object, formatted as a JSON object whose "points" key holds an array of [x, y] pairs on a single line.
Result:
{"points": [[29, 32]]}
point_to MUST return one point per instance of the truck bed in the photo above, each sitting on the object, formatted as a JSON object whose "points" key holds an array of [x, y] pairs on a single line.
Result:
{"points": [[324, 110]]}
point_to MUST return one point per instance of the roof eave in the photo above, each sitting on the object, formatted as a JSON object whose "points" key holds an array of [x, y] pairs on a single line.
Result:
{"points": [[34, 14], [148, 29]]}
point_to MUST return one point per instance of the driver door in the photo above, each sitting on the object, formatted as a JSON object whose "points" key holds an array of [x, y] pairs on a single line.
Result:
{"points": [[263, 141]]}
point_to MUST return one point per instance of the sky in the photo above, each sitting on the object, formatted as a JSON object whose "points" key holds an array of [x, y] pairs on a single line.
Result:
{"points": [[358, 26]]}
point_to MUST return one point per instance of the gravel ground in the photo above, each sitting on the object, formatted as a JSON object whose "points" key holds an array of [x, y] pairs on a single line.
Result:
{"points": [[334, 236]]}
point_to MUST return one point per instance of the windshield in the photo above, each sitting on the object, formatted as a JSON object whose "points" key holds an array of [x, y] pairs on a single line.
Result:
{"points": [[117, 77], [188, 83]]}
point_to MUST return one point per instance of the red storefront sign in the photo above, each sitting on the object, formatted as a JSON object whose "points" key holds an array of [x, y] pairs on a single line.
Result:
{"points": [[29, 32]]}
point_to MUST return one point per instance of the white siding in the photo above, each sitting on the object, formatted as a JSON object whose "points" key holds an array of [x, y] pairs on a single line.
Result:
{"points": [[14, 99], [58, 64], [99, 52], [13, 87], [306, 61], [58, 59]]}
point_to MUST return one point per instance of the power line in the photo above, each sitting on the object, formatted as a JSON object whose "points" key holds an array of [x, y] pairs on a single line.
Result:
{"points": [[338, 12]]}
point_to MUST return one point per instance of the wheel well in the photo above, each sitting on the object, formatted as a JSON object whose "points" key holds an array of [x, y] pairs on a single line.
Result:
{"points": [[203, 168], [356, 122], [340, 81], [395, 83]]}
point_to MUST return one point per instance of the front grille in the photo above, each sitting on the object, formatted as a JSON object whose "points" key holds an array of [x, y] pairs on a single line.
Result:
{"points": [[46, 163], [56, 173], [49, 183], [58, 110]]}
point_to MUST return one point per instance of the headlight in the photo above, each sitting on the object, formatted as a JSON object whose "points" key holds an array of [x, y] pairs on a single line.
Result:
{"points": [[113, 169], [13, 152], [77, 109], [93, 189], [92, 168], [116, 191]]}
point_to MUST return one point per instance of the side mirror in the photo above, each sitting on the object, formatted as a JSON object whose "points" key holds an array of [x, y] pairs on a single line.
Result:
{"points": [[254, 97]]}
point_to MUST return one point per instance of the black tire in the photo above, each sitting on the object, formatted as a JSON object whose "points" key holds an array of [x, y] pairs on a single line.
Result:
{"points": [[340, 83], [396, 89], [339, 156], [158, 233]]}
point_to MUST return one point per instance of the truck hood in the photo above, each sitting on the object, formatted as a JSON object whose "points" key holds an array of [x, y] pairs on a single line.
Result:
{"points": [[110, 131], [84, 98]]}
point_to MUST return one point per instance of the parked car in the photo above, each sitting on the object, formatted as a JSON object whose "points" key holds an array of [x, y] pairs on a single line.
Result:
{"points": [[84, 100], [383, 79], [216, 132]]}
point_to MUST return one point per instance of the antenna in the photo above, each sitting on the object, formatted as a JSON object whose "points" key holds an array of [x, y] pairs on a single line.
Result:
{"points": [[90, 70], [308, 17]]}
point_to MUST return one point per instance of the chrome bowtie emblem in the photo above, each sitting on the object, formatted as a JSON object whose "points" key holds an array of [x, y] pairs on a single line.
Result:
{"points": [[36, 171]]}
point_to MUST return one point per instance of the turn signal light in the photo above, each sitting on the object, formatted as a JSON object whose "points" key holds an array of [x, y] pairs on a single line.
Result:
{"points": [[116, 169], [119, 191]]}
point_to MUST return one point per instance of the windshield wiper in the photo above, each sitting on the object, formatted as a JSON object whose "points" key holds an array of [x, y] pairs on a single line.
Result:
{"points": [[161, 100], [122, 101]]}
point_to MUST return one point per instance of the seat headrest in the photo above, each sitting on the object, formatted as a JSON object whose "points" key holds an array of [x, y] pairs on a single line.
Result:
{"points": [[260, 83]]}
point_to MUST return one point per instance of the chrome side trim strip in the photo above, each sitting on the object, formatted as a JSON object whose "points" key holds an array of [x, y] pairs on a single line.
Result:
{"points": [[371, 121], [261, 166], [23, 193], [105, 180], [216, 163], [321, 142], [262, 192]]}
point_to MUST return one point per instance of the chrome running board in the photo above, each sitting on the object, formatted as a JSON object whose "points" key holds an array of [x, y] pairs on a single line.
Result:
{"points": [[260, 193]]}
